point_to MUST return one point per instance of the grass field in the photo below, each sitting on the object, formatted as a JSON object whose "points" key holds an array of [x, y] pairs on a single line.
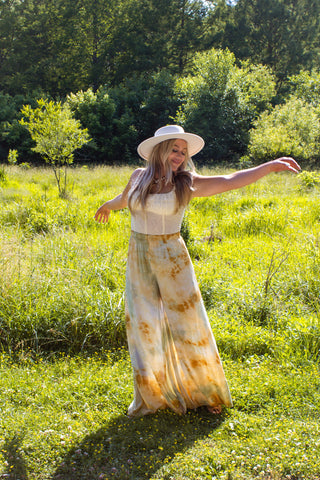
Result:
{"points": [[65, 380]]}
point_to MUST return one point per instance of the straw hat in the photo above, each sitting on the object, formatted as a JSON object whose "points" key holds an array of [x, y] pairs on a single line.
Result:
{"points": [[195, 143]]}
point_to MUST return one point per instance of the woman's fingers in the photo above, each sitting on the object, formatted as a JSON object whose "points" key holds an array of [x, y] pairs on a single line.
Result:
{"points": [[287, 163], [101, 216]]}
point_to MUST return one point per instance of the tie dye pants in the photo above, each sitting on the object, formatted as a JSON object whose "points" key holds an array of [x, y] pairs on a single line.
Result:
{"points": [[173, 353]]}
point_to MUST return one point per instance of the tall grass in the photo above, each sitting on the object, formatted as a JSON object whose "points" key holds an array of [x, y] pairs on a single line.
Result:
{"points": [[256, 253]]}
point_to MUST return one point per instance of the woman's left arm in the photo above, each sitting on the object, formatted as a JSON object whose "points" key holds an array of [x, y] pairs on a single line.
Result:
{"points": [[205, 186]]}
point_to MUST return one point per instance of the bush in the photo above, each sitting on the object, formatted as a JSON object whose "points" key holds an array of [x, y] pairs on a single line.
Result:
{"points": [[95, 112], [292, 129]]}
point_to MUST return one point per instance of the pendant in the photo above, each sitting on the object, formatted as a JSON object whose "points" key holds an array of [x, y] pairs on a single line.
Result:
{"points": [[157, 180]]}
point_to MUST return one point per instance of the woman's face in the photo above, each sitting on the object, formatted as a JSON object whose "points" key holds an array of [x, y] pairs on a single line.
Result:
{"points": [[178, 154]]}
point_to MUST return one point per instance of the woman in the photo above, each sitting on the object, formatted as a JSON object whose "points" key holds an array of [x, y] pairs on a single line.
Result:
{"points": [[174, 356]]}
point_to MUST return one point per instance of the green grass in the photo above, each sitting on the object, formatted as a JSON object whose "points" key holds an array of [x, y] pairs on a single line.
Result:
{"points": [[66, 419], [65, 375]]}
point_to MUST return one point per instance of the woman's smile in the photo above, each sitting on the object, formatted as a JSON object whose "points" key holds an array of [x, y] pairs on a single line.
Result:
{"points": [[178, 154]]}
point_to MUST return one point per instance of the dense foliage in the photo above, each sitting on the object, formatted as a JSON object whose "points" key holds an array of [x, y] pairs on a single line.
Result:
{"points": [[127, 67], [66, 46], [220, 100], [293, 127], [283, 34]]}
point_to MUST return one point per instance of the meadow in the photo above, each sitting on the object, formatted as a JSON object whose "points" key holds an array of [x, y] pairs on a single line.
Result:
{"points": [[65, 375]]}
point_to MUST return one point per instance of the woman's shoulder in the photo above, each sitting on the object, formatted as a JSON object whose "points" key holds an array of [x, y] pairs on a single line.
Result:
{"points": [[136, 173], [135, 176]]}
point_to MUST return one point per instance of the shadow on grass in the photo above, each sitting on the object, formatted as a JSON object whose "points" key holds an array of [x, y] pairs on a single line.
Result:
{"points": [[16, 466], [135, 448]]}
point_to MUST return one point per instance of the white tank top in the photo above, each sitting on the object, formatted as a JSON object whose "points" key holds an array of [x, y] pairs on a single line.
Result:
{"points": [[159, 217]]}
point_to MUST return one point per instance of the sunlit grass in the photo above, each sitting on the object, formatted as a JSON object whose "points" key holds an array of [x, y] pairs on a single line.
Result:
{"points": [[65, 418], [65, 371]]}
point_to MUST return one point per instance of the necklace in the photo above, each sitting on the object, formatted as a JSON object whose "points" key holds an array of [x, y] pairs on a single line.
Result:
{"points": [[157, 180]]}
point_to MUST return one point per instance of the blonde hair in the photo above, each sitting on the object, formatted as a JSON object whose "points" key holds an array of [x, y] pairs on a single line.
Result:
{"points": [[158, 162]]}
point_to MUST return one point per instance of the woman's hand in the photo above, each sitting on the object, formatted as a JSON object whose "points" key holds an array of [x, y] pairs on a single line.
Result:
{"points": [[284, 163], [102, 214], [117, 203]]}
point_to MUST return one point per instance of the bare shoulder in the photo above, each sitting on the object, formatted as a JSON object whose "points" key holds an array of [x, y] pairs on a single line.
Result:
{"points": [[134, 177], [136, 174]]}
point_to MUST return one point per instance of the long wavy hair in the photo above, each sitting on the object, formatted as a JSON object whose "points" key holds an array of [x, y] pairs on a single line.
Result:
{"points": [[158, 162]]}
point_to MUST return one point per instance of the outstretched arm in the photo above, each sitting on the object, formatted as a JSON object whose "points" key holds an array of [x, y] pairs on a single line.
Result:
{"points": [[205, 186], [117, 203]]}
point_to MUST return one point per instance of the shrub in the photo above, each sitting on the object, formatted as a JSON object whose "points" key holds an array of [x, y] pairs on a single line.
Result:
{"points": [[3, 175], [12, 156], [292, 129]]}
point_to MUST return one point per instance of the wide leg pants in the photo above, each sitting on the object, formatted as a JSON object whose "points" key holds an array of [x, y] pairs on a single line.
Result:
{"points": [[174, 355]]}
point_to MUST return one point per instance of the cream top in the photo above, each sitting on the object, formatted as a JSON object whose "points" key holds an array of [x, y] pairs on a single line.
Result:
{"points": [[159, 217]]}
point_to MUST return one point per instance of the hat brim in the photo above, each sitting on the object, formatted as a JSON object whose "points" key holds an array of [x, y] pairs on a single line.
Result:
{"points": [[195, 143]]}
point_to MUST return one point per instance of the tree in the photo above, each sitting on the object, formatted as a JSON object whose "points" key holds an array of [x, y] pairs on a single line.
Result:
{"points": [[58, 45], [12, 134], [306, 86], [118, 117], [283, 34], [66, 46], [56, 134], [159, 103], [25, 30], [9, 25], [218, 18], [112, 131], [151, 35], [220, 100], [89, 38]]}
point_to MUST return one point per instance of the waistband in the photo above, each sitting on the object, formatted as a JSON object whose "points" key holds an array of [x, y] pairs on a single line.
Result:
{"points": [[145, 236]]}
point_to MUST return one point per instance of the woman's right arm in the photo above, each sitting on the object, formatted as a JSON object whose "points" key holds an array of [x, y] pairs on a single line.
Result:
{"points": [[117, 203]]}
